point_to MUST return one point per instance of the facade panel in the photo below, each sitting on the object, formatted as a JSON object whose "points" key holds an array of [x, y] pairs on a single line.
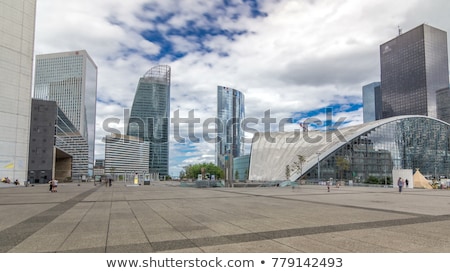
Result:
{"points": [[17, 23]]}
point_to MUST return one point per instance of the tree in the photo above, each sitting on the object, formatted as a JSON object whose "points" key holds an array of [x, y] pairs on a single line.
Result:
{"points": [[288, 172], [298, 165], [192, 171], [342, 164]]}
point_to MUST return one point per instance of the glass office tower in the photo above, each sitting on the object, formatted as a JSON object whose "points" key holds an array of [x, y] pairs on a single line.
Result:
{"points": [[230, 112], [149, 117], [17, 25], [414, 66], [70, 79], [372, 106]]}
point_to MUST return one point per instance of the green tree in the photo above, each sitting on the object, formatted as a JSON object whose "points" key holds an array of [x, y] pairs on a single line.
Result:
{"points": [[343, 165], [192, 171], [288, 172]]}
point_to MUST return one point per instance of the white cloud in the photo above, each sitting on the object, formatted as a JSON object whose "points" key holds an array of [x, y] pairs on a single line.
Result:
{"points": [[304, 55]]}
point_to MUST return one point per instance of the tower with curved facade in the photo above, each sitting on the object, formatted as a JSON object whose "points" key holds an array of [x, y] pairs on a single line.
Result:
{"points": [[149, 117], [230, 113]]}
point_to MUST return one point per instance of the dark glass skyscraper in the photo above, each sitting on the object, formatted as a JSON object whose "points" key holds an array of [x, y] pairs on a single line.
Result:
{"points": [[149, 117], [414, 66], [230, 112]]}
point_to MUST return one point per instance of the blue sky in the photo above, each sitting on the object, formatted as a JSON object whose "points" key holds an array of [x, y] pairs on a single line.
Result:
{"points": [[295, 58]]}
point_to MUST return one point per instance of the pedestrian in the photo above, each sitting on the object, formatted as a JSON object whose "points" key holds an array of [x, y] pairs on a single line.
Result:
{"points": [[50, 183], [54, 185], [328, 186], [400, 184], [110, 181]]}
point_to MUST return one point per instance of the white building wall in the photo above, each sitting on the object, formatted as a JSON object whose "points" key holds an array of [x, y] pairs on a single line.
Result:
{"points": [[17, 25]]}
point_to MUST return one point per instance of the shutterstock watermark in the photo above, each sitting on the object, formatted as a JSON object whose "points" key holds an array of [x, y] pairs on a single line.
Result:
{"points": [[193, 129]]}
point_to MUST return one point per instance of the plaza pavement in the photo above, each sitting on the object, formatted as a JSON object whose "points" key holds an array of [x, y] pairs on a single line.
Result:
{"points": [[165, 217]]}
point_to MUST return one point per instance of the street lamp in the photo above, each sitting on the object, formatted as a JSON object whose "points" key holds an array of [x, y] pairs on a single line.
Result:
{"points": [[318, 166]]}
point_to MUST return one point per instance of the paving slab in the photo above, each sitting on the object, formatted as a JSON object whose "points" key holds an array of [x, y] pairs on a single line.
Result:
{"points": [[165, 217]]}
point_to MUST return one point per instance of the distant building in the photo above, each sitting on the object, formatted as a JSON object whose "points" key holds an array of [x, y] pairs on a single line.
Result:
{"points": [[443, 104], [230, 113], [149, 117], [414, 66], [57, 149], [241, 166], [17, 21], [372, 106], [70, 79], [126, 154]]}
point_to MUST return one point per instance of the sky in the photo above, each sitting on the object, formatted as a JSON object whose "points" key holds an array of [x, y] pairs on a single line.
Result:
{"points": [[292, 58]]}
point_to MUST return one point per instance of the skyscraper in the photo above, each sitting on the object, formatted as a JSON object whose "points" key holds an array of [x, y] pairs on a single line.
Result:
{"points": [[372, 106], [70, 79], [149, 117], [414, 66], [230, 112], [17, 21]]}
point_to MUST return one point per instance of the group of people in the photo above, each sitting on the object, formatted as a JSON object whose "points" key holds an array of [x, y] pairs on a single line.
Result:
{"points": [[8, 181], [401, 183], [53, 185]]}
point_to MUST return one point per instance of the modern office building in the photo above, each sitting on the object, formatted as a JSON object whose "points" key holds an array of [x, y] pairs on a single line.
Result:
{"points": [[126, 154], [149, 117], [373, 149], [414, 66], [70, 79], [443, 104], [230, 113], [57, 148], [372, 106], [241, 167], [17, 25]]}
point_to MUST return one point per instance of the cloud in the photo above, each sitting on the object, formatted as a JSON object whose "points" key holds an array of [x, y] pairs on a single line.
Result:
{"points": [[286, 56]]}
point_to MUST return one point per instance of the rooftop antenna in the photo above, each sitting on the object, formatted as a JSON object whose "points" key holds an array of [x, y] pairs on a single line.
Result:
{"points": [[399, 31]]}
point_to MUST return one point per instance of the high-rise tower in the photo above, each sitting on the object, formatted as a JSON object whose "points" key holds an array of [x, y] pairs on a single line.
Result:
{"points": [[70, 79], [149, 117], [17, 21], [414, 66], [230, 112]]}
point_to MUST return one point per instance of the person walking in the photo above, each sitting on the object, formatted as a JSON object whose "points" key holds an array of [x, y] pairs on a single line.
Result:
{"points": [[400, 184]]}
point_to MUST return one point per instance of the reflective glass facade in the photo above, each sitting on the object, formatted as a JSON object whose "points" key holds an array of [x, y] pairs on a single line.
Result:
{"points": [[70, 79], [414, 66], [230, 113], [241, 166], [407, 143], [372, 106], [372, 149], [149, 117]]}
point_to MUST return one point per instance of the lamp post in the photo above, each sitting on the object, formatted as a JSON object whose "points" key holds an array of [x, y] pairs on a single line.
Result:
{"points": [[318, 166]]}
